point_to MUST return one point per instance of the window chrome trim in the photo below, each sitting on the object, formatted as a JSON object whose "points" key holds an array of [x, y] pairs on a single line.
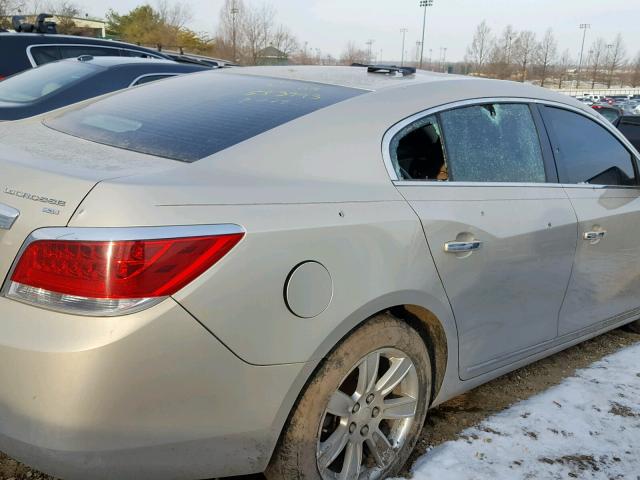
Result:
{"points": [[158, 74], [395, 129], [34, 64], [111, 234]]}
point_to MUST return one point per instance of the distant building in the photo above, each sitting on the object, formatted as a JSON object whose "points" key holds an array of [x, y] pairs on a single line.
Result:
{"points": [[272, 56]]}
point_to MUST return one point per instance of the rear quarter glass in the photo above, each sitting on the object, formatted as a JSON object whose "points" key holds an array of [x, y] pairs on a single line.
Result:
{"points": [[194, 116]]}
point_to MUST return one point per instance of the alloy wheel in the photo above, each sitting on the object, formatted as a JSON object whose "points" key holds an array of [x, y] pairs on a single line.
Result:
{"points": [[369, 417]]}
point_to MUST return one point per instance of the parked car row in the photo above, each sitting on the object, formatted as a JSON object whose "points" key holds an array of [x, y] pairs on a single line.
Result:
{"points": [[41, 72]]}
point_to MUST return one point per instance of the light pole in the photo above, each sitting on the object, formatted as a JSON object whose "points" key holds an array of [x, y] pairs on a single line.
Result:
{"points": [[584, 27], [424, 4], [234, 12], [444, 58], [404, 33], [369, 43]]}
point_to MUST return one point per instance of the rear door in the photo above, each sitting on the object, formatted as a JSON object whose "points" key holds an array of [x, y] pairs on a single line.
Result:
{"points": [[501, 231], [600, 177]]}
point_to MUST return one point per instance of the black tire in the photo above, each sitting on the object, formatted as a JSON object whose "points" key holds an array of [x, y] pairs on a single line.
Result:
{"points": [[295, 455]]}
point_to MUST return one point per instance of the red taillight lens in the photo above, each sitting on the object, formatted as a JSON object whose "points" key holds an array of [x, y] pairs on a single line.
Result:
{"points": [[131, 269]]}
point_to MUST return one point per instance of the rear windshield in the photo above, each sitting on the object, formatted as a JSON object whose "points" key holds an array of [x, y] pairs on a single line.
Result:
{"points": [[35, 83], [197, 115]]}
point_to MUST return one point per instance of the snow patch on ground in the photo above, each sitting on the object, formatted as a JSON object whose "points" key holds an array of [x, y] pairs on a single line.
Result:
{"points": [[586, 427]]}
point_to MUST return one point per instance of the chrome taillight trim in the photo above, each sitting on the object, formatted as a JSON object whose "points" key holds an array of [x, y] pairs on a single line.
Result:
{"points": [[76, 305], [94, 307]]}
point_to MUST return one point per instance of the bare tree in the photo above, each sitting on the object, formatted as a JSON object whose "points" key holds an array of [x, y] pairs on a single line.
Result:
{"points": [[175, 15], [65, 10], [8, 8], [284, 40], [502, 54], [563, 67], [616, 53], [230, 40], [596, 56], [257, 26], [480, 49], [524, 49], [635, 72], [353, 54], [547, 50]]}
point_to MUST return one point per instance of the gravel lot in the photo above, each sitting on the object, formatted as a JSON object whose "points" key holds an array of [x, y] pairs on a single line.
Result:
{"points": [[447, 421]]}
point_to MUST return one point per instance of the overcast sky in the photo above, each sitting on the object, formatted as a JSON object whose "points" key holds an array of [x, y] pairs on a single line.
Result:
{"points": [[330, 24]]}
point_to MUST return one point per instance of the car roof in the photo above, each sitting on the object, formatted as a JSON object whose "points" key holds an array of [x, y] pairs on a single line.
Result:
{"points": [[352, 77], [430, 88], [108, 61]]}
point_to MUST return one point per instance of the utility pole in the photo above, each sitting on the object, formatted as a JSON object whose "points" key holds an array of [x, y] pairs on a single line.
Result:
{"points": [[584, 27], [404, 33], [369, 43], [234, 12], [424, 4], [444, 58]]}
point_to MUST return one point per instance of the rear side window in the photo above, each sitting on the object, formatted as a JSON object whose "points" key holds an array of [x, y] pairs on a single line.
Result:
{"points": [[73, 51], [193, 116], [45, 54], [586, 152], [492, 143], [136, 53], [35, 83]]}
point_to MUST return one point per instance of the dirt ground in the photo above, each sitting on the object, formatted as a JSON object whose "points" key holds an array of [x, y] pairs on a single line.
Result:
{"points": [[447, 420]]}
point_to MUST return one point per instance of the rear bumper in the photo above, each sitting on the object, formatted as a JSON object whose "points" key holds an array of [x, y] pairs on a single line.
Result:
{"points": [[150, 395]]}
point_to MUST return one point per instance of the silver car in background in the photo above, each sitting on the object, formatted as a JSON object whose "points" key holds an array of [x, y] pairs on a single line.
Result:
{"points": [[282, 269]]}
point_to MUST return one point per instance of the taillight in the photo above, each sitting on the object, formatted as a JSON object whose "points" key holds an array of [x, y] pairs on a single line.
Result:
{"points": [[113, 277]]}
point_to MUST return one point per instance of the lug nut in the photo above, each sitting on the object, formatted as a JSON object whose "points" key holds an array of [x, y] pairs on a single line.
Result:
{"points": [[370, 398], [352, 428], [375, 412], [364, 431], [356, 408]]}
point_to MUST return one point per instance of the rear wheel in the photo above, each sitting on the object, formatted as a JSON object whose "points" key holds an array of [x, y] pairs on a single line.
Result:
{"points": [[361, 414]]}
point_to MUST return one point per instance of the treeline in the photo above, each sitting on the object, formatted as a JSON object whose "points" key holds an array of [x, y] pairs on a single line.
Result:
{"points": [[520, 55]]}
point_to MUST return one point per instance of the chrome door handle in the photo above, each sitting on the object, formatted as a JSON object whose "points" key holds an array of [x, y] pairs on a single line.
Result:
{"points": [[594, 235], [456, 247]]}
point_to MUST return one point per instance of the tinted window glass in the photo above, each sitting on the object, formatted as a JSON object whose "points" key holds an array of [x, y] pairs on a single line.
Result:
{"points": [[151, 78], [586, 152], [192, 116], [493, 143], [416, 151], [42, 55], [610, 114], [73, 51], [135, 53], [36, 83]]}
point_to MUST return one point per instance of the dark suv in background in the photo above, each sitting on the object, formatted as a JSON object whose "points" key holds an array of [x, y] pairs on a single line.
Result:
{"points": [[21, 51]]}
